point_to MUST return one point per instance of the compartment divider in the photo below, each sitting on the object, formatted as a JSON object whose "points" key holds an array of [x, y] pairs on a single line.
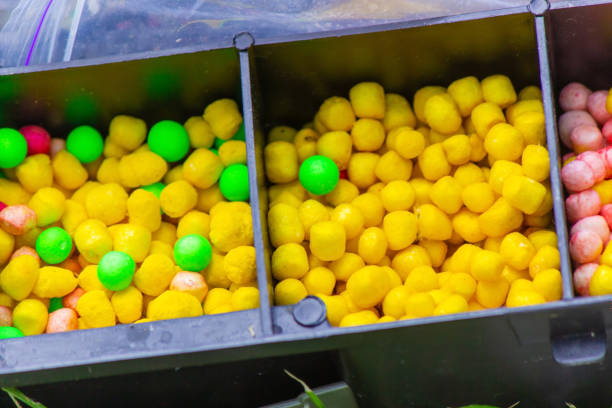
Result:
{"points": [[542, 27], [559, 4], [243, 43]]}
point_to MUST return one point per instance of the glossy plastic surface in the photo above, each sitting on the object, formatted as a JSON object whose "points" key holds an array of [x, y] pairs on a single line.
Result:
{"points": [[40, 32]]}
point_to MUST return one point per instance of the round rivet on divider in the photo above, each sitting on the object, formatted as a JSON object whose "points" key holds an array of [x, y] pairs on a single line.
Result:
{"points": [[538, 7], [243, 41], [310, 311]]}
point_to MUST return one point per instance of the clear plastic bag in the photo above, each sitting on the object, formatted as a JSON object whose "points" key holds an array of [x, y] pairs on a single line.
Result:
{"points": [[46, 31], [32, 34]]}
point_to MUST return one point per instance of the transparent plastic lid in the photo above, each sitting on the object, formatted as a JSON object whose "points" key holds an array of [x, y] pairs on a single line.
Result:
{"points": [[46, 31]]}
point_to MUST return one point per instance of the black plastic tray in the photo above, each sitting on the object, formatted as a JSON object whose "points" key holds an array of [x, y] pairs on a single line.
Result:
{"points": [[542, 355]]}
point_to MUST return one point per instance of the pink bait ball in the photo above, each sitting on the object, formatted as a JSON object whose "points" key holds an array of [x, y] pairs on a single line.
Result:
{"points": [[596, 162], [62, 320], [606, 131], [568, 156], [603, 153], [70, 300], [586, 137], [577, 175], [38, 139], [606, 155], [6, 316], [596, 105], [57, 145], [606, 212], [594, 223], [582, 277], [571, 119], [2, 206], [574, 96], [581, 205], [26, 250], [585, 246], [17, 219]]}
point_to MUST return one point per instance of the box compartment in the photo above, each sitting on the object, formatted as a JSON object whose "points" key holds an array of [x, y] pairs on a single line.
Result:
{"points": [[152, 87], [513, 353], [580, 50]]}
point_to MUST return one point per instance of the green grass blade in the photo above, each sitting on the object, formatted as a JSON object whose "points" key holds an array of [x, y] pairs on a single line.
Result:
{"points": [[313, 397], [15, 394], [17, 404]]}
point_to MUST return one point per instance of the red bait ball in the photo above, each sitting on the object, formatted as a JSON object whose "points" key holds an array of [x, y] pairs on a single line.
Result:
{"points": [[38, 139]]}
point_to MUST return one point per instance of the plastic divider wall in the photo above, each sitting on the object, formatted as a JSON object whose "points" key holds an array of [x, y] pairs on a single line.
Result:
{"points": [[243, 43], [552, 142]]}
